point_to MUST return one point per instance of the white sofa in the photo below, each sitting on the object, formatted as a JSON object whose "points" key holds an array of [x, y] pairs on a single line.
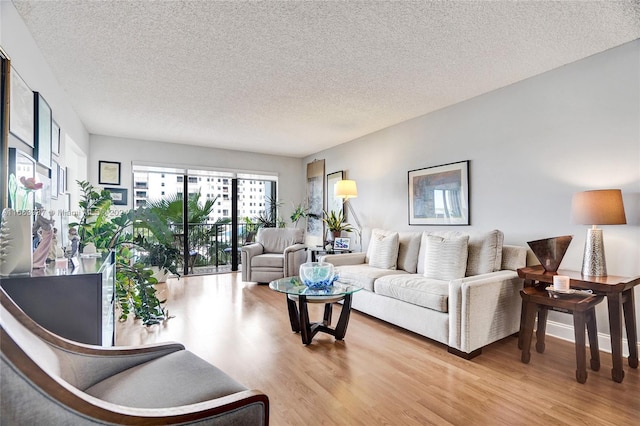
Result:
{"points": [[459, 289]]}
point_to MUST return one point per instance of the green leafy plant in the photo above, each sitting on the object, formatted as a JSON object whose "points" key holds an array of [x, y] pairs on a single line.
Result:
{"points": [[135, 289], [299, 212], [336, 222], [170, 209], [165, 257]]}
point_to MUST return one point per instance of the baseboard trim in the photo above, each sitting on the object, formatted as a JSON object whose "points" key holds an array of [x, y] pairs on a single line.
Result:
{"points": [[565, 332]]}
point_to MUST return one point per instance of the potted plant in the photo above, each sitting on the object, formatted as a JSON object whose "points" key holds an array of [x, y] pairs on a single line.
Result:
{"points": [[162, 258], [299, 212], [336, 223], [135, 291]]}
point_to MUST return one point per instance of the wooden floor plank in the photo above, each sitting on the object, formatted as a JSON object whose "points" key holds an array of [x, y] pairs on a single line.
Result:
{"points": [[380, 374]]}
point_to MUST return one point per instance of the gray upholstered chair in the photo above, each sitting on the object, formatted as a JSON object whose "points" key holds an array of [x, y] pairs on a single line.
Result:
{"points": [[277, 253], [50, 380]]}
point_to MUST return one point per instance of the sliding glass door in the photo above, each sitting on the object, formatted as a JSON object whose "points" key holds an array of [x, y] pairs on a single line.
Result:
{"points": [[223, 211]]}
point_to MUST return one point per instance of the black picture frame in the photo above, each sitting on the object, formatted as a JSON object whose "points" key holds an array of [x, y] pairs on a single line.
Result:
{"points": [[55, 138], [55, 170], [43, 120], [439, 195], [333, 203], [119, 196], [109, 172], [62, 180]]}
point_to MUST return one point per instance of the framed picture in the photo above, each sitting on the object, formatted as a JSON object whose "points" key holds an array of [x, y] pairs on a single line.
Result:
{"points": [[118, 196], [43, 196], [333, 203], [62, 180], [341, 243], [439, 195], [55, 138], [21, 165], [55, 169], [42, 113], [315, 201], [21, 109], [109, 172]]}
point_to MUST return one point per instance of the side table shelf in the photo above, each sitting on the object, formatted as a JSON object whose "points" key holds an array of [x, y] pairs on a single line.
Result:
{"points": [[78, 305]]}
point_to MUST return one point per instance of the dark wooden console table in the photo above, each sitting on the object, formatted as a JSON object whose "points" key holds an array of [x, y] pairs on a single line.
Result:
{"points": [[619, 293]]}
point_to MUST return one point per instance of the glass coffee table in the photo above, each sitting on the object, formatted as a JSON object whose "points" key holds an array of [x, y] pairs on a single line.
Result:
{"points": [[296, 291]]}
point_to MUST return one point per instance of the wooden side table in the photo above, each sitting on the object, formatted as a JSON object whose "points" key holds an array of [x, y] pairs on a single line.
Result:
{"points": [[583, 310], [619, 293]]}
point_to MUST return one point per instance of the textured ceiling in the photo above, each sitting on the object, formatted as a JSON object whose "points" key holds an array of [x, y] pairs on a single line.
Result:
{"points": [[293, 78]]}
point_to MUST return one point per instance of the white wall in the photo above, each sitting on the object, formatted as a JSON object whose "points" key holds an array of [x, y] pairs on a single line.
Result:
{"points": [[28, 61], [291, 187], [531, 146]]}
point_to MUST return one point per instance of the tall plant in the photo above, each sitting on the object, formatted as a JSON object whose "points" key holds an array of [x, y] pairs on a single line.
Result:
{"points": [[135, 289]]}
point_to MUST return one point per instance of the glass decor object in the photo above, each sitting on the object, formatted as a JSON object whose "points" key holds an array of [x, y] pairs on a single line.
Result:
{"points": [[550, 251], [317, 275]]}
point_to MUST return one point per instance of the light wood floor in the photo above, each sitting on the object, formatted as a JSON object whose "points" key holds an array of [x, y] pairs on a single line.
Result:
{"points": [[380, 374]]}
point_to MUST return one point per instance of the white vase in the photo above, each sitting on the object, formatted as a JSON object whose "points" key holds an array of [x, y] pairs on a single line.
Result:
{"points": [[160, 274], [16, 254]]}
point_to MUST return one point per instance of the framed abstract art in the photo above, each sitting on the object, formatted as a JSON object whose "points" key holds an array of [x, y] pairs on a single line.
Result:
{"points": [[439, 195]]}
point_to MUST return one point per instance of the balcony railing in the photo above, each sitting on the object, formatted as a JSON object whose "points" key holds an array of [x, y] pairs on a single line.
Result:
{"points": [[212, 242]]}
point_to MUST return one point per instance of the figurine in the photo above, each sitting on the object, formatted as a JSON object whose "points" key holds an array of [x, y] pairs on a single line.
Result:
{"points": [[43, 227], [74, 240], [54, 250]]}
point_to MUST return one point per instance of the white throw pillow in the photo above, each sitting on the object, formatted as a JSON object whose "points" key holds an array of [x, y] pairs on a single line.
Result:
{"points": [[383, 250], [445, 258], [485, 253], [408, 249]]}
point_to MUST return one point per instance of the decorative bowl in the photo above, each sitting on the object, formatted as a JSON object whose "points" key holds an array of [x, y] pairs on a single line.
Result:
{"points": [[317, 275], [550, 251]]}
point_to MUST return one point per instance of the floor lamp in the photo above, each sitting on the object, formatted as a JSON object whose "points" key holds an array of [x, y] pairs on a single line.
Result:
{"points": [[347, 189], [598, 207]]}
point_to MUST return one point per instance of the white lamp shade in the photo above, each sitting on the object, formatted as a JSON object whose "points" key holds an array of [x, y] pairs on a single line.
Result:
{"points": [[345, 189]]}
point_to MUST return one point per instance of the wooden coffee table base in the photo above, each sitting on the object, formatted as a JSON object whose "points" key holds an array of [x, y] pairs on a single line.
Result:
{"points": [[299, 317]]}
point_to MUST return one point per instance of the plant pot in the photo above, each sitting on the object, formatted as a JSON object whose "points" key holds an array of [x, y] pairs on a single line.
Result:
{"points": [[160, 275]]}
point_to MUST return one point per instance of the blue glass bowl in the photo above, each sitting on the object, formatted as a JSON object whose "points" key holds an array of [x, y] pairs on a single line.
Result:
{"points": [[317, 275]]}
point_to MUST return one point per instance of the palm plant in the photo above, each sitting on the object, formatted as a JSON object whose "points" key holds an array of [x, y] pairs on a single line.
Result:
{"points": [[170, 208]]}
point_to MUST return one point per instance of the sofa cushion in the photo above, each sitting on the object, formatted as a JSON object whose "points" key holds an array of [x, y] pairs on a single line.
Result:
{"points": [[421, 253], [446, 258], [415, 289], [363, 275], [485, 253], [408, 249], [153, 384], [269, 260], [383, 249]]}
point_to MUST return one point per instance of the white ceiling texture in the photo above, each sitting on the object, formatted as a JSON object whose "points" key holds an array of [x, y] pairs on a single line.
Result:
{"points": [[296, 77]]}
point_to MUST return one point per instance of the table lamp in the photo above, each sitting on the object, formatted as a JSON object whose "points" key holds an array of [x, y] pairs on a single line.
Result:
{"points": [[346, 189], [597, 207]]}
